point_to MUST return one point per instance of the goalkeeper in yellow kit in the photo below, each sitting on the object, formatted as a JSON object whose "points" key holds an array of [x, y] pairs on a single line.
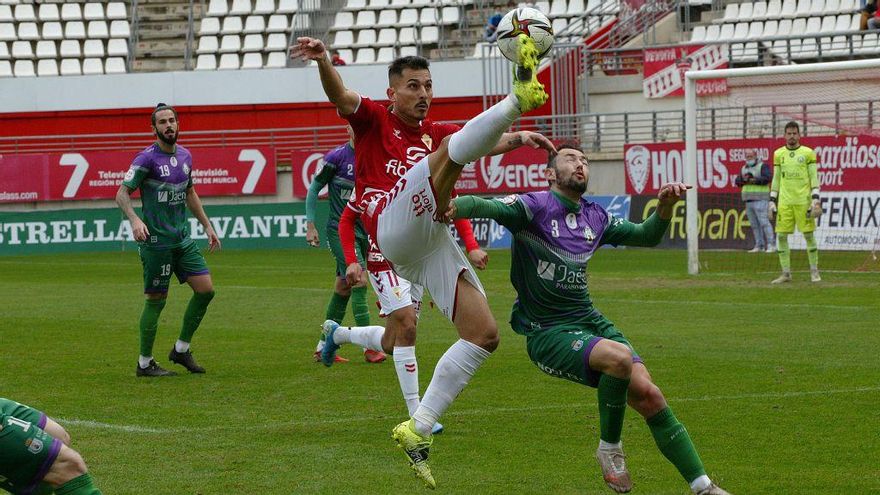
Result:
{"points": [[794, 198]]}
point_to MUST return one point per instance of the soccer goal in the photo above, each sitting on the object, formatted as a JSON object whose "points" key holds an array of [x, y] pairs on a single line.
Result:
{"points": [[838, 111]]}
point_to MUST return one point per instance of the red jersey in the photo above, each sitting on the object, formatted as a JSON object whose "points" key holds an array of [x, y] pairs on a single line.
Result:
{"points": [[385, 148]]}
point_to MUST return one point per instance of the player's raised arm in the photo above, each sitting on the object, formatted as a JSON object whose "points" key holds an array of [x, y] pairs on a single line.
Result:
{"points": [[508, 211], [650, 232], [512, 140], [346, 100]]}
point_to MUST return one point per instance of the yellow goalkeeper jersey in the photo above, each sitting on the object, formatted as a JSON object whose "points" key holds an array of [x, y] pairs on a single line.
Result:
{"points": [[794, 175]]}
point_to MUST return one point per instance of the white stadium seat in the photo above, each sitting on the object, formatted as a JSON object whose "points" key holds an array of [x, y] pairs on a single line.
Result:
{"points": [[120, 29], [387, 36], [229, 61], [817, 7], [28, 31], [406, 36], [217, 8], [450, 15], [346, 54], [713, 33], [70, 49], [408, 17], [71, 12], [789, 7], [22, 50], [252, 61], [93, 66], [253, 43], [276, 42], [254, 24], [7, 31], [276, 60], [365, 56], [385, 55], [24, 68], [47, 67], [355, 4], [4, 51], [114, 65], [264, 7], [698, 34], [428, 16], [47, 12], [25, 13], [210, 25], [387, 18], [52, 31], [75, 30], [93, 49], [93, 12], [832, 7], [116, 11], [99, 29], [770, 28], [400, 3], [231, 25], [759, 11], [366, 38], [206, 62], [745, 11], [5, 68], [343, 38], [430, 34], [241, 7], [286, 7], [278, 23], [6, 13], [557, 8], [231, 43], [575, 8], [46, 49], [366, 19], [756, 30], [406, 51], [379, 4], [117, 48], [70, 67]]}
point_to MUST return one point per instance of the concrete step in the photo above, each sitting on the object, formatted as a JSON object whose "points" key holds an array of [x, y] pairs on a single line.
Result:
{"points": [[158, 64], [161, 48], [163, 29]]}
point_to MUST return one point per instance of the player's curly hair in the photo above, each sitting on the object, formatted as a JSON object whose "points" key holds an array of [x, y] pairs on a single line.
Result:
{"points": [[413, 62], [159, 108]]}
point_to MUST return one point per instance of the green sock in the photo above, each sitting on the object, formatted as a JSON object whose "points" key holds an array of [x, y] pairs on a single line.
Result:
{"points": [[43, 489], [674, 442], [336, 308], [149, 324], [359, 306], [612, 405], [195, 311], [812, 250], [784, 253], [81, 485]]}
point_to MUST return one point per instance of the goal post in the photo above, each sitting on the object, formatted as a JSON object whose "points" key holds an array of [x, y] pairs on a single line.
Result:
{"points": [[831, 100]]}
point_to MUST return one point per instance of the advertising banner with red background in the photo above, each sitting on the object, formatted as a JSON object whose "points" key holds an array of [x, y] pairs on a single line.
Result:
{"points": [[521, 170], [845, 163], [664, 69], [98, 174]]}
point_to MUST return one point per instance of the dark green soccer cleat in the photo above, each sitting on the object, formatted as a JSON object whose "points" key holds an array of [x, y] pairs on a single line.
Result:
{"points": [[153, 370], [186, 360]]}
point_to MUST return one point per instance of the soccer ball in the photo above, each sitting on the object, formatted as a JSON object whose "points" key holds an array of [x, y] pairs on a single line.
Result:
{"points": [[528, 21]]}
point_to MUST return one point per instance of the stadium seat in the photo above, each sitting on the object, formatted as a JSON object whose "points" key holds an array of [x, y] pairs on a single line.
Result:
{"points": [[832, 7], [116, 11], [698, 34], [759, 11], [28, 31], [25, 13], [407, 51], [117, 48], [93, 12], [344, 20], [241, 7], [788, 9], [726, 33], [849, 6], [771, 27], [7, 32], [870, 43], [276, 60], [286, 7], [253, 43], [120, 29], [365, 56], [756, 30], [450, 15], [387, 18], [6, 13], [70, 67], [47, 12], [22, 50], [217, 8], [385, 55], [387, 37], [378, 5], [366, 38], [24, 68], [803, 8], [278, 23], [229, 61], [408, 17], [208, 44], [4, 51], [816, 7], [206, 62], [98, 29], [400, 3], [93, 49], [731, 13], [343, 38], [430, 35], [114, 65], [254, 24], [231, 25], [92, 66], [300, 22], [346, 54], [264, 7], [276, 42], [231, 43], [543, 6], [745, 11], [561, 23], [774, 9], [71, 12], [52, 31], [47, 67], [5, 68], [209, 25], [575, 8], [406, 36], [70, 49], [75, 30], [366, 19], [557, 8], [252, 61], [356, 5]]}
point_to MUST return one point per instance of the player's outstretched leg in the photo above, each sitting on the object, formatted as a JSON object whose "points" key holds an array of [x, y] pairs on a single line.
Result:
{"points": [[369, 337], [416, 448], [528, 91]]}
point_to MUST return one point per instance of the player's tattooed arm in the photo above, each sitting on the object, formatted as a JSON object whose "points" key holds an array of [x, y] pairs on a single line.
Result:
{"points": [[512, 140], [138, 227]]}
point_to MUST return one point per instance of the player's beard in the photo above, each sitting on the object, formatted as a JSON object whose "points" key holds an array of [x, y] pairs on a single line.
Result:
{"points": [[573, 184], [167, 140]]}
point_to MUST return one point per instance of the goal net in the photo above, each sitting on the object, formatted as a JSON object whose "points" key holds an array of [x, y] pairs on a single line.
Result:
{"points": [[836, 107]]}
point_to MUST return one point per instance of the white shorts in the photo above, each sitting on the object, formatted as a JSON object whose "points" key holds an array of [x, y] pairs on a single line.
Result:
{"points": [[395, 292], [421, 249]]}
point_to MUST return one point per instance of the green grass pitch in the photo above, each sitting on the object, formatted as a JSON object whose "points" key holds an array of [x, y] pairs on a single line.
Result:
{"points": [[778, 386]]}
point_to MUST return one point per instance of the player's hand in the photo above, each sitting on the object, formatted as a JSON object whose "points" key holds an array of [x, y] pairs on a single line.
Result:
{"points": [[479, 258], [353, 273], [816, 209], [535, 140], [312, 236], [308, 49], [449, 215], [213, 240], [771, 211], [140, 230], [672, 192]]}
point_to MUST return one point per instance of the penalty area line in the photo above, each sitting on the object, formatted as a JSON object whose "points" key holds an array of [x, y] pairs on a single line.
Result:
{"points": [[98, 425]]}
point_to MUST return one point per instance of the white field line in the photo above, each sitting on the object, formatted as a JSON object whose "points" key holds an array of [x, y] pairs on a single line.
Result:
{"points": [[97, 425], [726, 303]]}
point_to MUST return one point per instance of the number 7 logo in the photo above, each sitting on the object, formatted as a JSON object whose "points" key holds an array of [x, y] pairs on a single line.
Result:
{"points": [[79, 173], [259, 163]]}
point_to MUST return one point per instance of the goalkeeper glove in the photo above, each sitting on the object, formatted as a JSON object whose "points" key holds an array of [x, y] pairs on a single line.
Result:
{"points": [[815, 210], [771, 211]]}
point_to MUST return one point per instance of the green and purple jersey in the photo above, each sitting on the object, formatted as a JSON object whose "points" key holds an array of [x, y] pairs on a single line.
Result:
{"points": [[163, 180], [553, 241]]}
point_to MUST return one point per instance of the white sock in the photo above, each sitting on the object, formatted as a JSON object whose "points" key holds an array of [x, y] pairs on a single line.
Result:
{"points": [[603, 445], [144, 361], [367, 337], [700, 483], [181, 346], [342, 335], [320, 346], [408, 375], [477, 138], [453, 372]]}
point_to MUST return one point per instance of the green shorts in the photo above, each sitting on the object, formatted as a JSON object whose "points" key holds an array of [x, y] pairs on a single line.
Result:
{"points": [[361, 246], [159, 264], [564, 352], [26, 451], [790, 216]]}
